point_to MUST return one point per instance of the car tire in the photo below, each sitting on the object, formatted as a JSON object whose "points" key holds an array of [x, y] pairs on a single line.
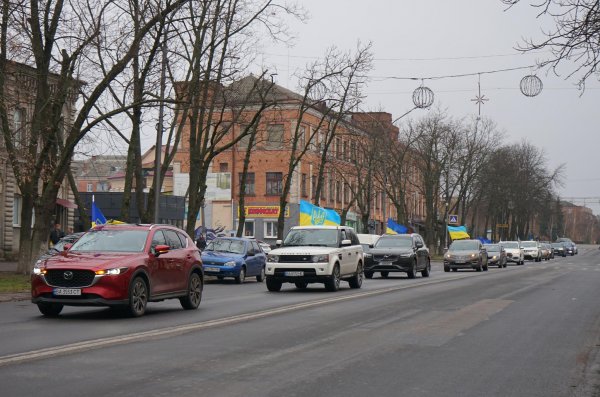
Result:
{"points": [[333, 282], [385, 274], [446, 269], [220, 278], [241, 277], [273, 285], [50, 309], [301, 284], [194, 293], [357, 280], [369, 275], [427, 271], [412, 273], [138, 297], [261, 277]]}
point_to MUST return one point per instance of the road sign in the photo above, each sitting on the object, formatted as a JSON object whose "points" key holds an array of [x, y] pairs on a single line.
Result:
{"points": [[501, 225], [453, 219]]}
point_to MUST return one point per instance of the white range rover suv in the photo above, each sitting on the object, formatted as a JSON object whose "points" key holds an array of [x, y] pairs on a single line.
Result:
{"points": [[316, 254]]}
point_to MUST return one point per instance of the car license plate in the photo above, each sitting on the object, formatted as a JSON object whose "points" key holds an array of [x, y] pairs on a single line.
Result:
{"points": [[294, 274], [460, 261], [385, 263], [212, 269], [67, 291]]}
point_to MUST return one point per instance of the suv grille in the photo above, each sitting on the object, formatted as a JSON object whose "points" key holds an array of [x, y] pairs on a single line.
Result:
{"points": [[61, 278], [385, 258], [295, 259]]}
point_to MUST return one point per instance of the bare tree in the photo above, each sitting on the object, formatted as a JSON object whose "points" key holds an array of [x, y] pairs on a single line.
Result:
{"points": [[575, 36], [56, 38]]}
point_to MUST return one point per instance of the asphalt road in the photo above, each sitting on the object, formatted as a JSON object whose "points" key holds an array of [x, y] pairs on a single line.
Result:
{"points": [[530, 330]]}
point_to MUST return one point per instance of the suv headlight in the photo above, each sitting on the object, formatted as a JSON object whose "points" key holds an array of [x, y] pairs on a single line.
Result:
{"points": [[320, 258], [38, 270], [111, 272], [273, 258]]}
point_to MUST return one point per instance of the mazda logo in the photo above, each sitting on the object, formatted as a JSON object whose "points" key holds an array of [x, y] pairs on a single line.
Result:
{"points": [[68, 275]]}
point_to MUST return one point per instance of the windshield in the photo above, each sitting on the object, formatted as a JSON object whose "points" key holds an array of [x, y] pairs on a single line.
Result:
{"points": [[464, 245], [528, 244], [394, 242], [510, 245], [225, 245], [111, 240], [557, 245], [492, 247], [312, 237]]}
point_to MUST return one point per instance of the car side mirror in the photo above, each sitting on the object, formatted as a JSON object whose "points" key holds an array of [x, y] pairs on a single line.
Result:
{"points": [[346, 243], [371, 245], [419, 244], [278, 243], [160, 249]]}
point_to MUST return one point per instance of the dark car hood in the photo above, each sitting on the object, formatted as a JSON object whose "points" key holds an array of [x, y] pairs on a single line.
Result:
{"points": [[92, 260], [220, 257], [390, 250]]}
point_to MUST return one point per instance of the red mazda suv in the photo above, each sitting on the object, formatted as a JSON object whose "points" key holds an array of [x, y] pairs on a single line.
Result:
{"points": [[124, 266]]}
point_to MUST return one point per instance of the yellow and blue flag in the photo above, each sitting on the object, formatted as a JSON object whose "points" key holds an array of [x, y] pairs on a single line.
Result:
{"points": [[97, 215], [395, 228], [312, 215], [458, 232]]}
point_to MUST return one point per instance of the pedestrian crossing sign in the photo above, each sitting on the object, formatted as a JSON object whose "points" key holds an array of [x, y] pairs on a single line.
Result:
{"points": [[453, 219]]}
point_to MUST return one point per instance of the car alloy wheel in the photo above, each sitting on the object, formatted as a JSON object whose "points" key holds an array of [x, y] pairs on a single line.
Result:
{"points": [[261, 277], [412, 273], [194, 294], [333, 284], [357, 280], [138, 297], [241, 277]]}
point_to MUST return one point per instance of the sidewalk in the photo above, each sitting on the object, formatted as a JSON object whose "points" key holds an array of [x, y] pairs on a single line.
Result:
{"points": [[8, 266]]}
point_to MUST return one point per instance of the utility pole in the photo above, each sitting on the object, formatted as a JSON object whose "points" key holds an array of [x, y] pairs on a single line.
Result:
{"points": [[161, 113]]}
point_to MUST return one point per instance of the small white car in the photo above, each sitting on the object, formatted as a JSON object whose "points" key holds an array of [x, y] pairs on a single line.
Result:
{"points": [[514, 252], [532, 250], [316, 254]]}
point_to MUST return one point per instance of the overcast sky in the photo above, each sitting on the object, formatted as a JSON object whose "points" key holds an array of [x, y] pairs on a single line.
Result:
{"points": [[437, 38]]}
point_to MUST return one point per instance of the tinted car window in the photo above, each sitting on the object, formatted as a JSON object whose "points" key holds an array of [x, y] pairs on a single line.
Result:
{"points": [[159, 239], [183, 239], [256, 247], [250, 249], [389, 242], [312, 237], [172, 239], [464, 245], [492, 247]]}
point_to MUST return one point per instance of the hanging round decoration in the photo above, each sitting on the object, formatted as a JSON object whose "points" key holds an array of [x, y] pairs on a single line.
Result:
{"points": [[423, 97], [531, 85]]}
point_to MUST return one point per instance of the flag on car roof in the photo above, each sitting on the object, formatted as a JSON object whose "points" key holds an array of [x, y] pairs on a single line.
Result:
{"points": [[312, 215], [458, 232], [97, 215], [395, 228]]}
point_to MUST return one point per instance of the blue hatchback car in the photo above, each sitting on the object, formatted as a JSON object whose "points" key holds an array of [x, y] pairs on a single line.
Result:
{"points": [[234, 257]]}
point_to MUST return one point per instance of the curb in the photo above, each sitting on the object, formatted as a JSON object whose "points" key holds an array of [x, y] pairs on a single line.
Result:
{"points": [[14, 297]]}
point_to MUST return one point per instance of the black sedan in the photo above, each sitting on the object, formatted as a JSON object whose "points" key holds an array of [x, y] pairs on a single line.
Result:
{"points": [[399, 253]]}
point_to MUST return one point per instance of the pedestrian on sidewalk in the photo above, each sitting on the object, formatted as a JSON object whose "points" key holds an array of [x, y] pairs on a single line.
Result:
{"points": [[56, 234]]}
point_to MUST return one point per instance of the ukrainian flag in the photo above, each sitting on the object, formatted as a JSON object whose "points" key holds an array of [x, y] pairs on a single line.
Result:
{"points": [[312, 215], [395, 228], [458, 232], [97, 215]]}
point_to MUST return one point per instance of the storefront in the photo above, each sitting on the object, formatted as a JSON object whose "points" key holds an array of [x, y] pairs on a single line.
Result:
{"points": [[261, 221]]}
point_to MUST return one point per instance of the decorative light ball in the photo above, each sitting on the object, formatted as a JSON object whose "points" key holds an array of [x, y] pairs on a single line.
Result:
{"points": [[531, 85], [423, 97]]}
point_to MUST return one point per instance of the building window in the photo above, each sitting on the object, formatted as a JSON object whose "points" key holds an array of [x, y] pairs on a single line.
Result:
{"points": [[313, 186], [331, 191], [377, 195], [89, 187], [249, 186], [270, 229], [338, 148], [223, 167], [352, 151], [301, 138], [275, 136], [303, 190], [19, 125], [338, 191], [17, 205], [345, 153], [274, 183], [249, 228]]}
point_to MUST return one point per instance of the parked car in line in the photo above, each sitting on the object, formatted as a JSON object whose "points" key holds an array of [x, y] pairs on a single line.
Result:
{"points": [[399, 253], [532, 250], [264, 246], [559, 249], [570, 246], [496, 255], [235, 257], [316, 254], [466, 254], [122, 266], [367, 241], [514, 252], [546, 250]]}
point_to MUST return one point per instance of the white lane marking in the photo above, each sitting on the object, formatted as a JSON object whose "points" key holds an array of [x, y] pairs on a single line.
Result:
{"points": [[180, 329]]}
